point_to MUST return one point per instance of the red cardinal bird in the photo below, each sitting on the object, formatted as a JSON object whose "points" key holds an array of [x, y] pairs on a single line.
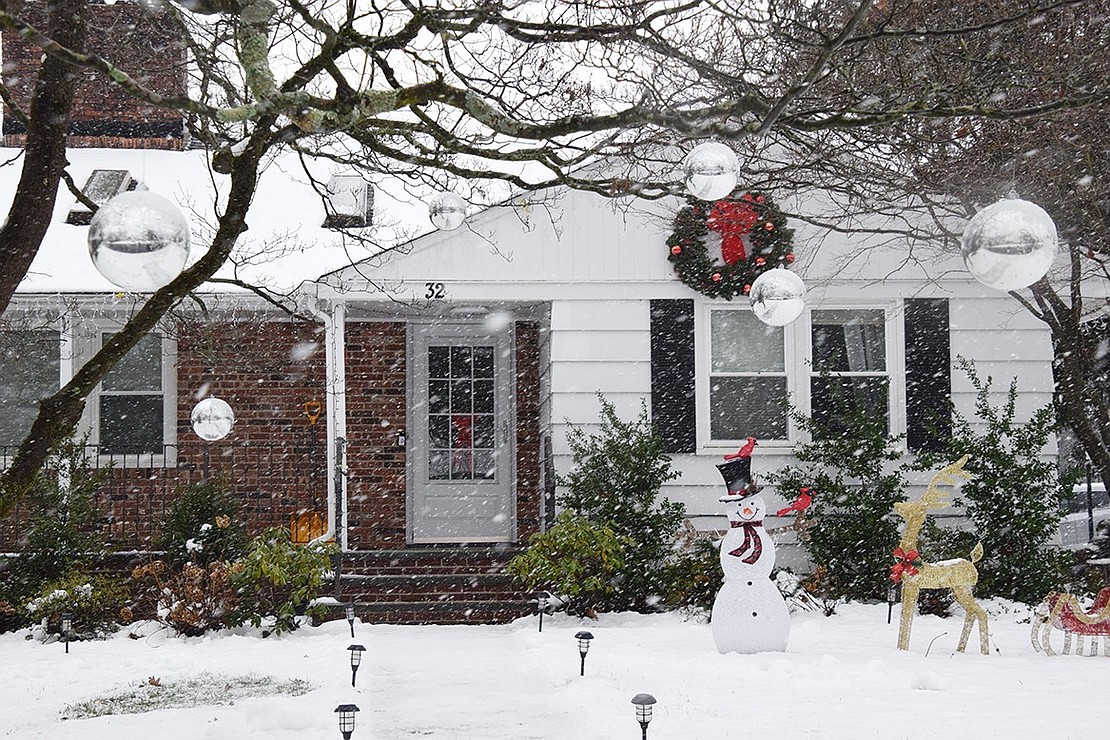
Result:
{"points": [[800, 504], [745, 451]]}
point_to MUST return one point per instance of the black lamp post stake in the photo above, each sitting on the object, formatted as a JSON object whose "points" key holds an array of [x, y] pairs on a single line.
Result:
{"points": [[583, 648], [541, 605], [891, 598], [346, 719], [643, 704], [350, 610], [356, 660], [67, 625]]}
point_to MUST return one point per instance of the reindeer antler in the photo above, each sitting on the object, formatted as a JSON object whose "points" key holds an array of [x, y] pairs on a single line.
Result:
{"points": [[948, 476]]}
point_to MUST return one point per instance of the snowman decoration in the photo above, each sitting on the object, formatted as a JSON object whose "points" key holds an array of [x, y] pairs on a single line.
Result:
{"points": [[749, 613]]}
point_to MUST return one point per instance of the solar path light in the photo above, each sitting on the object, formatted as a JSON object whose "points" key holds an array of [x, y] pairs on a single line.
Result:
{"points": [[643, 704], [346, 719], [356, 659], [583, 647]]}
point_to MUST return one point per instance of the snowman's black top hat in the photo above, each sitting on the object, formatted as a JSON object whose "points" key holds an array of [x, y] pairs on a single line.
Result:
{"points": [[738, 477]]}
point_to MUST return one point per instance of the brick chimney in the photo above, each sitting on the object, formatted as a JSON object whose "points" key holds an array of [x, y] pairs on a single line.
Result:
{"points": [[135, 37]]}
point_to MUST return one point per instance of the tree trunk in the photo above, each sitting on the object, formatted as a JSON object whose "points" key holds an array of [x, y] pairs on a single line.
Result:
{"points": [[44, 154]]}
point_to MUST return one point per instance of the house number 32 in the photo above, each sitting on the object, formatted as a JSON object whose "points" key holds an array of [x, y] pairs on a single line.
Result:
{"points": [[435, 291]]}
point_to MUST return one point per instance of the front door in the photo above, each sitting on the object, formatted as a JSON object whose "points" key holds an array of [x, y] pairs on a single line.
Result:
{"points": [[460, 450]]}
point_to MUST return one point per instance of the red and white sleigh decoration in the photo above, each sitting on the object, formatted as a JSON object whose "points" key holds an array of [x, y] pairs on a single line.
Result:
{"points": [[1063, 612]]}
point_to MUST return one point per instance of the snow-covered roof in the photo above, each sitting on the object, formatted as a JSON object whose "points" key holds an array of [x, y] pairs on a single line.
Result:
{"points": [[284, 246]]}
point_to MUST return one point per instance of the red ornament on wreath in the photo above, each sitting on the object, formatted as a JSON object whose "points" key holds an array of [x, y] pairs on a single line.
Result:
{"points": [[754, 239]]}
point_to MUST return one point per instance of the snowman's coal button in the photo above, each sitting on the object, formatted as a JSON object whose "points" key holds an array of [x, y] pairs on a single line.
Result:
{"points": [[754, 614], [749, 583]]}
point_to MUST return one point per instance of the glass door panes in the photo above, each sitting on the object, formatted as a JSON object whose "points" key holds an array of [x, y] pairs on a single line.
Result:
{"points": [[461, 420]]}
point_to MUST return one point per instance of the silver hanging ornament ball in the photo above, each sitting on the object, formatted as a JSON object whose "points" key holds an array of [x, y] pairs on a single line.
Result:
{"points": [[212, 419], [1009, 245], [447, 211], [139, 241], [777, 297], [711, 171]]}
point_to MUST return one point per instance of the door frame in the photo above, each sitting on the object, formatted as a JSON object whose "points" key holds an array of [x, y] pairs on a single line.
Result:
{"points": [[418, 330]]}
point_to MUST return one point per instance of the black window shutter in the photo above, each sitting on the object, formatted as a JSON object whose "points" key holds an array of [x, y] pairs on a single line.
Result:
{"points": [[928, 374], [673, 409]]}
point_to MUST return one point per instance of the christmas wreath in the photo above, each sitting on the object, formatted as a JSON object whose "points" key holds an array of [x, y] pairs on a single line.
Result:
{"points": [[754, 239]]}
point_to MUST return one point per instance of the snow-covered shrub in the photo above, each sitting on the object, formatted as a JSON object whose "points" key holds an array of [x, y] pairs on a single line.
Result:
{"points": [[192, 600], [200, 526], [1014, 497], [277, 579], [94, 601], [617, 476], [575, 559]]}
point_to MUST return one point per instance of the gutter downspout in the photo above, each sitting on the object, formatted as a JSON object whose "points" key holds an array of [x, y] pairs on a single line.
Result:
{"points": [[335, 384]]}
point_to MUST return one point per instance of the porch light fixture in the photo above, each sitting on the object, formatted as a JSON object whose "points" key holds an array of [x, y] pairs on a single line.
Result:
{"points": [[356, 659], [346, 719], [350, 610], [643, 704], [583, 647], [67, 627], [542, 599]]}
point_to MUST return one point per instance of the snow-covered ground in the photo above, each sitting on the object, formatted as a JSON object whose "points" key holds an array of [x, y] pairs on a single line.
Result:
{"points": [[841, 677]]}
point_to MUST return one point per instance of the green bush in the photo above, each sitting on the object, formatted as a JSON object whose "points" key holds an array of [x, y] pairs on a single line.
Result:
{"points": [[1014, 497], [200, 526], [855, 483], [62, 534], [618, 473], [94, 601], [277, 579], [575, 558]]}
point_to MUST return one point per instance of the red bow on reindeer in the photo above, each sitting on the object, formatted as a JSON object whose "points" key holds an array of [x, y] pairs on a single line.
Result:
{"points": [[905, 565], [735, 220]]}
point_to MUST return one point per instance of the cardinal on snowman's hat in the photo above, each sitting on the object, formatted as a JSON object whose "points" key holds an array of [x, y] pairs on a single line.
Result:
{"points": [[737, 472]]}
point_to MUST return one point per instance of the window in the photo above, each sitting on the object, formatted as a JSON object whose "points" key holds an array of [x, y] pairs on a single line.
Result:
{"points": [[349, 202], [101, 187], [747, 377], [30, 362], [849, 367], [461, 413], [131, 403]]}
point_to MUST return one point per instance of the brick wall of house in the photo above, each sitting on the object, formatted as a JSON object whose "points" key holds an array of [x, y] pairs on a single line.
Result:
{"points": [[105, 116], [376, 413], [275, 460]]}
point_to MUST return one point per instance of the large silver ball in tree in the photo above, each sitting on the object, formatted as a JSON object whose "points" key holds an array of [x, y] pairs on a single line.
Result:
{"points": [[139, 241], [1009, 245], [777, 297], [447, 211], [212, 419], [711, 171]]}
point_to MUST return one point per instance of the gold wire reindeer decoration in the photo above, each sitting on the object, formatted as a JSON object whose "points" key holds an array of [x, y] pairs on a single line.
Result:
{"points": [[959, 574]]}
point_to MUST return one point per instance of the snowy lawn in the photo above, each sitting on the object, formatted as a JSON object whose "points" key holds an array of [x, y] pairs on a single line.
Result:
{"points": [[841, 677]]}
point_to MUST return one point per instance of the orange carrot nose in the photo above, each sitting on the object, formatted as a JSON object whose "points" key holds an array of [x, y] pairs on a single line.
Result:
{"points": [[747, 511]]}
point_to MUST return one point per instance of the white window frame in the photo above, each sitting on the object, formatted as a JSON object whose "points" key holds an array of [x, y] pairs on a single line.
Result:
{"points": [[65, 358], [797, 348], [702, 371], [169, 406]]}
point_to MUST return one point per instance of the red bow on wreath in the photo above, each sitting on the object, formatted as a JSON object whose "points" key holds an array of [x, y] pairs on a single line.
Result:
{"points": [[734, 220], [906, 564]]}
